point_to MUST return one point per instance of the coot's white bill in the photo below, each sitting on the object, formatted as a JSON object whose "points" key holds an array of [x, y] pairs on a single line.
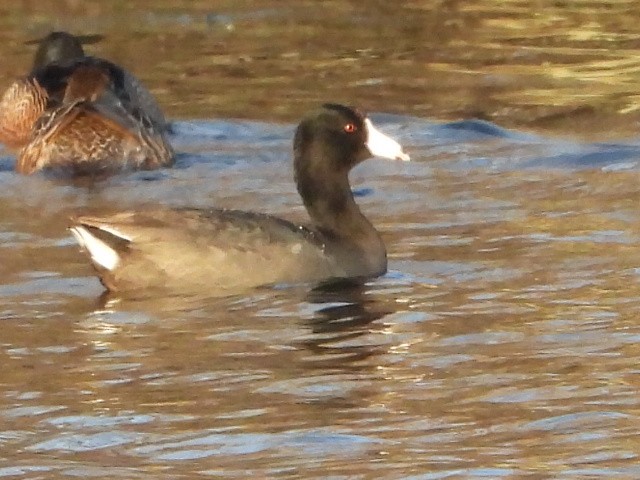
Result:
{"points": [[383, 146]]}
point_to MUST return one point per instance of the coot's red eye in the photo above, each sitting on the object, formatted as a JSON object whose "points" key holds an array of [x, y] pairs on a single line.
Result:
{"points": [[350, 128]]}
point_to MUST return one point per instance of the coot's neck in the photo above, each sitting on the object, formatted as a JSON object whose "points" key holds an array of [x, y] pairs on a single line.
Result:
{"points": [[326, 194]]}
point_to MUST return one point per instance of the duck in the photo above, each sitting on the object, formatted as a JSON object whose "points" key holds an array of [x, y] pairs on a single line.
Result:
{"points": [[81, 115], [228, 251]]}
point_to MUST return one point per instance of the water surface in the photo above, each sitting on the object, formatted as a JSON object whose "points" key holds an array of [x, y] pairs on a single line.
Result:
{"points": [[503, 341]]}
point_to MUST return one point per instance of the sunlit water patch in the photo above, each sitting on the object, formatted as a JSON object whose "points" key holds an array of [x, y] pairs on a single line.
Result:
{"points": [[504, 332]]}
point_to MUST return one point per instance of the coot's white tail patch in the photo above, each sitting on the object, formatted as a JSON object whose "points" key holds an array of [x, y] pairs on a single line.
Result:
{"points": [[101, 253]]}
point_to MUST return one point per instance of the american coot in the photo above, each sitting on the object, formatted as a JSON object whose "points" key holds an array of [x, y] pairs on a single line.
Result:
{"points": [[229, 250], [80, 115]]}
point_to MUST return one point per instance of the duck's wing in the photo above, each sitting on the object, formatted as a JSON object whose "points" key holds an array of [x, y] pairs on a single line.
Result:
{"points": [[21, 106], [92, 138], [27, 99], [88, 78], [142, 99], [133, 96]]}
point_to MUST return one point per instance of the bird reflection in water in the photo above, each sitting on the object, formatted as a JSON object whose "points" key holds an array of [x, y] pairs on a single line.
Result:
{"points": [[339, 326]]}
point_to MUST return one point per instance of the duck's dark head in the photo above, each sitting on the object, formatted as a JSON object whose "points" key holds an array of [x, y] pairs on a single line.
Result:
{"points": [[59, 47]]}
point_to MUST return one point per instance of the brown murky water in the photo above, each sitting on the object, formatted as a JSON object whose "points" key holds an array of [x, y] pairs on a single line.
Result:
{"points": [[554, 66], [501, 344]]}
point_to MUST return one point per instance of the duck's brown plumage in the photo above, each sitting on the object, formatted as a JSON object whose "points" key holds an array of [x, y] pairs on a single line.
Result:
{"points": [[81, 115], [20, 108]]}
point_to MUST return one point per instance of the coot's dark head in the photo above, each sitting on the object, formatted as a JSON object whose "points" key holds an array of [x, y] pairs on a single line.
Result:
{"points": [[340, 137], [59, 47]]}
